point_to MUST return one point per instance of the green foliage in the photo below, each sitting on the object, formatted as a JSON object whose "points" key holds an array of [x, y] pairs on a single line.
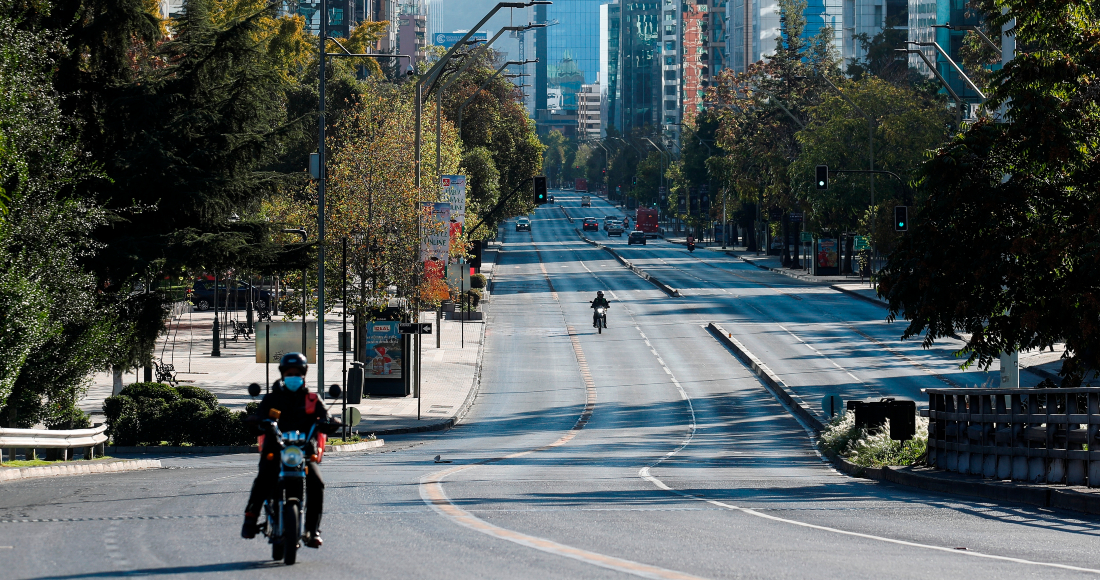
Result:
{"points": [[162, 391], [1004, 252], [191, 392], [153, 413], [477, 281], [65, 416]]}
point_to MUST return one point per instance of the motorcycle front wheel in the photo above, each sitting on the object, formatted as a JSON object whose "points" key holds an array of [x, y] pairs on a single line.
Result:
{"points": [[290, 533]]}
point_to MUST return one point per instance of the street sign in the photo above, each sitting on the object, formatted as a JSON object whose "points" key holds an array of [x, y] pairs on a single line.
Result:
{"points": [[352, 416], [796, 216], [415, 327], [860, 243], [806, 237]]}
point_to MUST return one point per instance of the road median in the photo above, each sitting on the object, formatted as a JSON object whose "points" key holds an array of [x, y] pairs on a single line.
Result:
{"points": [[674, 293]]}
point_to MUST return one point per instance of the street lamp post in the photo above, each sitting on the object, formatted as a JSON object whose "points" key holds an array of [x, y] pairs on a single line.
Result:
{"points": [[305, 352], [606, 154]]}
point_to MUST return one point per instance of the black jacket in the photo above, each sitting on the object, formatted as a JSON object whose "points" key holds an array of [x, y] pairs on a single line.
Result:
{"points": [[292, 408], [599, 301]]}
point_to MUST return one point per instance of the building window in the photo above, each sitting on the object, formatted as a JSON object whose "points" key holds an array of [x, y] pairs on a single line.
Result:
{"points": [[670, 105], [878, 16], [670, 16], [670, 60], [670, 45], [670, 29], [670, 120], [670, 75], [670, 90]]}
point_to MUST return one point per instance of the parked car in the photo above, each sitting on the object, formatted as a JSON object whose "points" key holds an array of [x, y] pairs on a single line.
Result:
{"points": [[615, 229], [590, 223], [523, 224], [636, 237], [201, 296]]}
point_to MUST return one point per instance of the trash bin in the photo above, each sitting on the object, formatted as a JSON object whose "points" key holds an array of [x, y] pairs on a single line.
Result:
{"points": [[355, 383], [873, 414]]}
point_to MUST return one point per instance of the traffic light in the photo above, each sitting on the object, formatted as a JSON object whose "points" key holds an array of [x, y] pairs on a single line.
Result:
{"points": [[901, 218], [634, 180], [823, 177], [540, 190]]}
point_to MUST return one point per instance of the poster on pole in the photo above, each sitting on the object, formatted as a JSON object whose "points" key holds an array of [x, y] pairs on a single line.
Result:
{"points": [[436, 241], [827, 262], [285, 337], [454, 192]]}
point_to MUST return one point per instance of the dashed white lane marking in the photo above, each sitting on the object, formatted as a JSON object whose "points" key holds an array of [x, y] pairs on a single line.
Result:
{"points": [[431, 492], [645, 474]]}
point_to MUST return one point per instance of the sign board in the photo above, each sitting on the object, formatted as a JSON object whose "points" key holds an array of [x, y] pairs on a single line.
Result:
{"points": [[860, 243], [352, 416], [383, 350], [285, 337], [796, 217], [448, 39], [826, 253], [436, 244], [415, 327], [832, 405], [458, 276], [805, 237], [454, 191]]}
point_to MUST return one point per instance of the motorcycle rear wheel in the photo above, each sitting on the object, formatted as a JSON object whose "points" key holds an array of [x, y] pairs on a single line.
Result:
{"points": [[290, 533]]}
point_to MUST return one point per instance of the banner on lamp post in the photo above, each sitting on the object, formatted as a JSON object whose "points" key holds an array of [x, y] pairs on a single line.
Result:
{"points": [[454, 191], [436, 241]]}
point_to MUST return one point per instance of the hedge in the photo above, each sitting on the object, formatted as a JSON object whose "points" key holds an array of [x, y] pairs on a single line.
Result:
{"points": [[157, 413]]}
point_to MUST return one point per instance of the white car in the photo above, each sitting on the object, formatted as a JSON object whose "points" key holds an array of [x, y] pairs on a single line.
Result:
{"points": [[614, 228]]}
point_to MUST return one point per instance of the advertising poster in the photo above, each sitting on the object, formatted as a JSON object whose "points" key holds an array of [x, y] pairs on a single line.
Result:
{"points": [[383, 350], [436, 244], [454, 192], [285, 337], [826, 253]]}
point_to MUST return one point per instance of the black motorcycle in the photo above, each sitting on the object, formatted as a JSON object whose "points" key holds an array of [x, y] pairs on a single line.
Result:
{"points": [[691, 246], [284, 513], [601, 319]]}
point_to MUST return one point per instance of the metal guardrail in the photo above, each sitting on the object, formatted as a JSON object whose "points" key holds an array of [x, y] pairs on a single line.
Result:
{"points": [[47, 439], [1032, 435]]}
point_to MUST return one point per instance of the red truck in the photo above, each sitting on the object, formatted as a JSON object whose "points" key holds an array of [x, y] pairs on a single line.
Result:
{"points": [[646, 221], [582, 184]]}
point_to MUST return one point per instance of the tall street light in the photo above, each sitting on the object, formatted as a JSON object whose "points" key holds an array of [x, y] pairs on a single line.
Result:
{"points": [[305, 352], [932, 67]]}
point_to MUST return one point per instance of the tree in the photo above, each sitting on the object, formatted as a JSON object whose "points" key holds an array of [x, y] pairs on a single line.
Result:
{"points": [[54, 328], [1004, 249]]}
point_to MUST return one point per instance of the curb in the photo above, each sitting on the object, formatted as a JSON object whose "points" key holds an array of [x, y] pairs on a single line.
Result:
{"points": [[774, 384], [863, 297], [76, 469], [182, 450], [354, 446], [565, 213], [672, 292]]}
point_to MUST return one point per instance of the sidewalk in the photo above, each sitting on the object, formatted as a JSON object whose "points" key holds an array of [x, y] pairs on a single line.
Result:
{"points": [[448, 372]]}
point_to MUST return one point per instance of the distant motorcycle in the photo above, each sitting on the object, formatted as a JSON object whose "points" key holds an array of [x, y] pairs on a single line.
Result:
{"points": [[691, 246], [284, 513], [601, 319]]}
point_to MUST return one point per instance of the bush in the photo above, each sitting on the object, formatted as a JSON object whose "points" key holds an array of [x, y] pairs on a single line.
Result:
{"points": [[477, 281], [183, 421], [152, 413], [843, 438], [162, 391], [68, 417], [188, 392]]}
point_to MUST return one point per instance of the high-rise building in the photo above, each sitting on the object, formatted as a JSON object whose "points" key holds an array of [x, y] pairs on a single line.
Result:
{"points": [[923, 15], [412, 30], [643, 59], [588, 112], [569, 53]]}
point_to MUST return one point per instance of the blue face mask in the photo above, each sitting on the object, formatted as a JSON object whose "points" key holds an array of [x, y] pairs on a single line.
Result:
{"points": [[294, 383]]}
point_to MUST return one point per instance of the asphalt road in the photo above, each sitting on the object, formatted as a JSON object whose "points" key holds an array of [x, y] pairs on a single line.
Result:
{"points": [[647, 450]]}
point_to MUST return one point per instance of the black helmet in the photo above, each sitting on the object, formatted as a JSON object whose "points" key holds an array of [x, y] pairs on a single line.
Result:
{"points": [[293, 359], [599, 292]]}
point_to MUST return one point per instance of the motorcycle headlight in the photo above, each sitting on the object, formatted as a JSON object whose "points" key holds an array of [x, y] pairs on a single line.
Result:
{"points": [[293, 456]]}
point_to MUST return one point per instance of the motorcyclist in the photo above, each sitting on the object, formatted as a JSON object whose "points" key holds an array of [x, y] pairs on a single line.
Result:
{"points": [[297, 410], [691, 243], [598, 302]]}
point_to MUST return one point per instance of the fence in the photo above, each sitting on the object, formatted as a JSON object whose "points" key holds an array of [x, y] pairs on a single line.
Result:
{"points": [[91, 440], [1033, 435]]}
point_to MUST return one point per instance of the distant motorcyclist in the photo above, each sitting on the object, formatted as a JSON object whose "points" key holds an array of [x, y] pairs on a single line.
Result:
{"points": [[296, 409], [597, 303], [691, 243]]}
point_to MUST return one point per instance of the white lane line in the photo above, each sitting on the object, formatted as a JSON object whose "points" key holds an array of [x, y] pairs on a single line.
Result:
{"points": [[821, 354], [645, 474]]}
